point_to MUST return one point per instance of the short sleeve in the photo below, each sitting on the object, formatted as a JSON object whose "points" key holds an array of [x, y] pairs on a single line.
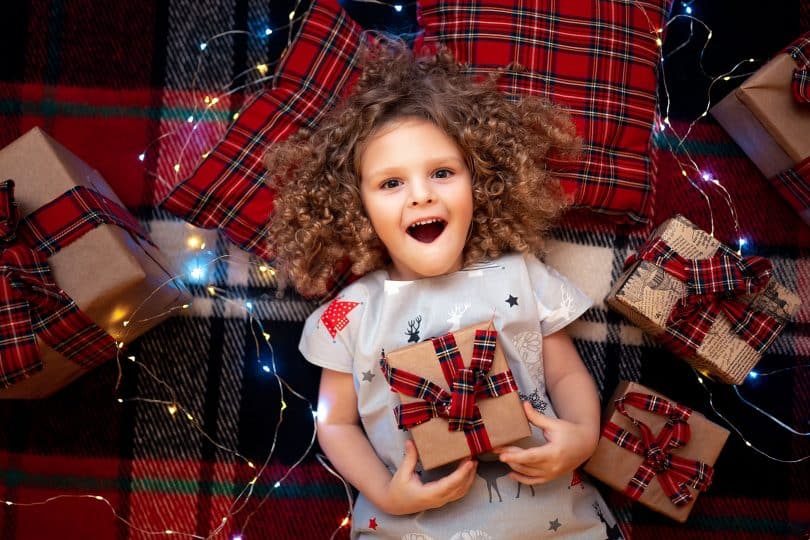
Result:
{"points": [[559, 302], [329, 335]]}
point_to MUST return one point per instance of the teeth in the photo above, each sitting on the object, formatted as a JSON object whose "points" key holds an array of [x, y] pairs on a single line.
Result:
{"points": [[426, 222]]}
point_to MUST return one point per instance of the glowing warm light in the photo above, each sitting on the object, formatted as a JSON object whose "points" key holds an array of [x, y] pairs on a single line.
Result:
{"points": [[131, 358], [172, 409], [262, 68], [193, 242], [235, 115], [176, 167], [141, 156], [211, 290], [266, 336]]}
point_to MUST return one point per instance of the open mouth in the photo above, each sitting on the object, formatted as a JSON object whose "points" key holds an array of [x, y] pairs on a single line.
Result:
{"points": [[427, 230]]}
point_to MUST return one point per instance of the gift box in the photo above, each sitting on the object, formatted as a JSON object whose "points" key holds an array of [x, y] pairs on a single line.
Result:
{"points": [[768, 115], [702, 300], [80, 277], [458, 397], [656, 451]]}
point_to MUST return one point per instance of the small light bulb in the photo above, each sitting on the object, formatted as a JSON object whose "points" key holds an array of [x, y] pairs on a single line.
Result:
{"points": [[197, 273], [277, 484], [292, 15], [753, 375], [211, 290], [397, 7], [119, 400], [120, 344], [176, 167], [727, 78], [268, 31], [688, 10], [141, 156], [203, 46], [193, 242], [186, 306], [235, 115], [265, 368], [706, 176], [263, 268], [125, 323], [190, 118], [131, 358], [262, 68], [172, 409], [251, 465], [345, 521], [249, 305], [99, 498], [266, 336]]}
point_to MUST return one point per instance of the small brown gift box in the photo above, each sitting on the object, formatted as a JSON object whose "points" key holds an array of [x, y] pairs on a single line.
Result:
{"points": [[503, 416], [111, 276], [646, 294], [762, 116], [615, 466]]}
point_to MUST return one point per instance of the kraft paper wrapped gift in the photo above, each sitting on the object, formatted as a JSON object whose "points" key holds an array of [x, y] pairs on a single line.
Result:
{"points": [[770, 121], [660, 291], [687, 468], [479, 421], [112, 275]]}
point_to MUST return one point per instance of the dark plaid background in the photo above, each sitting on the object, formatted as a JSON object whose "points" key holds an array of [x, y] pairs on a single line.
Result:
{"points": [[108, 79]]}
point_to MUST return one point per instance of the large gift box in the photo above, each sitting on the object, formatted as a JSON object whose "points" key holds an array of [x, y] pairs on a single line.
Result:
{"points": [[80, 278], [458, 397], [768, 115], [715, 309], [656, 451]]}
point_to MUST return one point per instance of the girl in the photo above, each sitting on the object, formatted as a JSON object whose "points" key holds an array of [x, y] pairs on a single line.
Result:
{"points": [[435, 187]]}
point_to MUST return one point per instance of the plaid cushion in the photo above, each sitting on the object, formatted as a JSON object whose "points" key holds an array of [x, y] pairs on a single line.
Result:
{"points": [[596, 58], [227, 189]]}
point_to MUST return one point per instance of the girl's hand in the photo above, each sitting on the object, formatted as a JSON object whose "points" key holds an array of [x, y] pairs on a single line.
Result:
{"points": [[568, 446], [407, 494]]}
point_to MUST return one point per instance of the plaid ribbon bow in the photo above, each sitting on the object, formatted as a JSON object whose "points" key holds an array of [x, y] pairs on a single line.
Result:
{"points": [[712, 286], [799, 50], [466, 386], [31, 303], [674, 473]]}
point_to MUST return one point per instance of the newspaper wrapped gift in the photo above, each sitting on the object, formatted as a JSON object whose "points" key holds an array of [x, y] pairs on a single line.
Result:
{"points": [[715, 309], [75, 269], [458, 397], [768, 115], [656, 451]]}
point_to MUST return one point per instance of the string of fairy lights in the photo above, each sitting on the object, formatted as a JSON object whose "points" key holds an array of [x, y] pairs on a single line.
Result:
{"points": [[206, 107]]}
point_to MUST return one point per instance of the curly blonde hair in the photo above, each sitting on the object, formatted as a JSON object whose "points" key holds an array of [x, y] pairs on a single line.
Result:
{"points": [[319, 220]]}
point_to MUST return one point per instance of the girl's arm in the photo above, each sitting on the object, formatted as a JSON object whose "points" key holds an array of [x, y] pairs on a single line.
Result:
{"points": [[347, 447], [573, 437]]}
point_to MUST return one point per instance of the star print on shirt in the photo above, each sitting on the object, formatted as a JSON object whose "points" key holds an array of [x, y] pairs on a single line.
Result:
{"points": [[554, 525], [334, 317], [512, 301], [372, 523], [368, 375]]}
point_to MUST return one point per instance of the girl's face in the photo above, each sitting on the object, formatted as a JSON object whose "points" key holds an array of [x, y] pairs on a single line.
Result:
{"points": [[417, 192]]}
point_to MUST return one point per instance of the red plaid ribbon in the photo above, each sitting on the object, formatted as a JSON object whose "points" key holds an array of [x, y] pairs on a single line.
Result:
{"points": [[466, 386], [794, 185], [712, 287], [799, 50], [31, 303], [674, 473]]}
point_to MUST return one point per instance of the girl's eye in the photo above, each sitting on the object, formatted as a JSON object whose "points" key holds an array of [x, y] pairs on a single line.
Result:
{"points": [[391, 183], [443, 173]]}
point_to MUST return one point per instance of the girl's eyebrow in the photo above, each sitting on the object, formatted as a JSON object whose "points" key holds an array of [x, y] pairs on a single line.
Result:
{"points": [[435, 162]]}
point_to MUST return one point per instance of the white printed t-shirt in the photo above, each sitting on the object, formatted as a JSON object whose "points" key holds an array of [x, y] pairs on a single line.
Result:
{"points": [[527, 300]]}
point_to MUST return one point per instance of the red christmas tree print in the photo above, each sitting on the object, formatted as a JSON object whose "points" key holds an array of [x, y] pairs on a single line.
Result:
{"points": [[334, 318]]}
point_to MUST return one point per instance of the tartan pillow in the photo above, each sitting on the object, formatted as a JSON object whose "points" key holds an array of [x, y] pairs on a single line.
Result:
{"points": [[597, 58], [227, 189]]}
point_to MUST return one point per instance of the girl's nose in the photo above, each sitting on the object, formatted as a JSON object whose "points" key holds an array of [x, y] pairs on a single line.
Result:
{"points": [[421, 193]]}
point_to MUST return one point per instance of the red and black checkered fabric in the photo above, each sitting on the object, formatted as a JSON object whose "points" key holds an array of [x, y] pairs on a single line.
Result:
{"points": [[673, 472], [31, 302], [794, 186], [598, 59], [799, 50], [467, 384], [713, 286], [227, 190]]}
